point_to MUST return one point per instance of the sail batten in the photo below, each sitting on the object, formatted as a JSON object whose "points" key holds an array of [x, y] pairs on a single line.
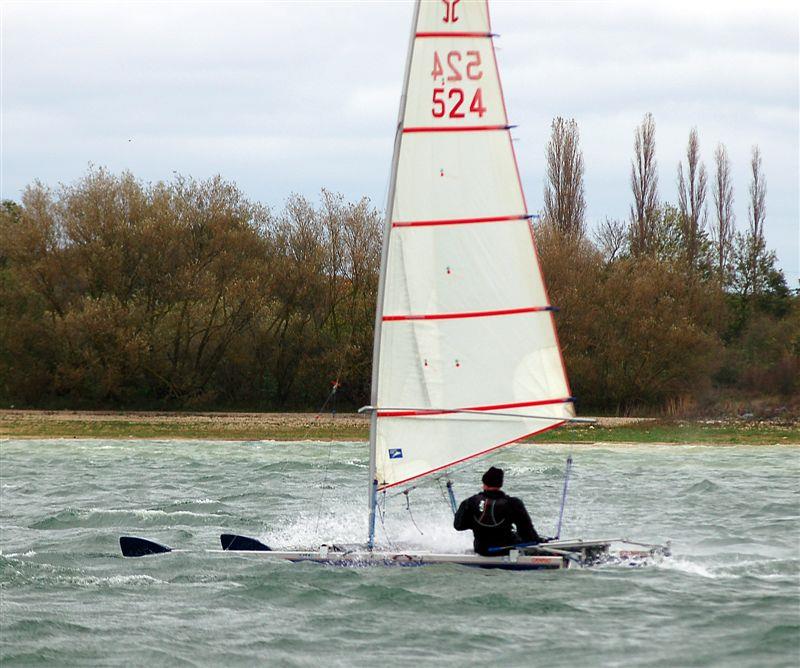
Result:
{"points": [[462, 221], [466, 319], [402, 412], [463, 128], [469, 314], [423, 35]]}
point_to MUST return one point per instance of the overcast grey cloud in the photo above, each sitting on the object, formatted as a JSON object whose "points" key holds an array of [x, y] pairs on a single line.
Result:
{"points": [[293, 96]]}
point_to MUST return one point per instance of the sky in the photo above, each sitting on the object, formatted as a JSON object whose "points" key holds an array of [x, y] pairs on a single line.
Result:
{"points": [[291, 97]]}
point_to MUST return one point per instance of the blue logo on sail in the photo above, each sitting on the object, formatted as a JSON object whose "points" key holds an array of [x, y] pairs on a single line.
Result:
{"points": [[395, 453]]}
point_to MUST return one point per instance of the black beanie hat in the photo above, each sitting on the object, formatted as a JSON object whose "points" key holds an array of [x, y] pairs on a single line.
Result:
{"points": [[493, 477]]}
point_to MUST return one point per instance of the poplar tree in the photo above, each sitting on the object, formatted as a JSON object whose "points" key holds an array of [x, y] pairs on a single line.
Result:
{"points": [[691, 199], [754, 261], [564, 202], [723, 229], [644, 184], [757, 207]]}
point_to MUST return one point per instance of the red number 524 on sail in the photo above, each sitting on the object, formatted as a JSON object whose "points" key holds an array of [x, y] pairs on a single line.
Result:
{"points": [[456, 65], [452, 103]]}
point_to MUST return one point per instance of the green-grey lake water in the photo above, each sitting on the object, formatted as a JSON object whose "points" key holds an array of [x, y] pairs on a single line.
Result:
{"points": [[729, 595]]}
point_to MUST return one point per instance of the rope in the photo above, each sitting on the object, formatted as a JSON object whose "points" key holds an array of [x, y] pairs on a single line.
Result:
{"points": [[411, 515]]}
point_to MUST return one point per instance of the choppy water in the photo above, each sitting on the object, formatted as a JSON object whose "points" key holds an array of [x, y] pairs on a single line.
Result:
{"points": [[730, 596]]}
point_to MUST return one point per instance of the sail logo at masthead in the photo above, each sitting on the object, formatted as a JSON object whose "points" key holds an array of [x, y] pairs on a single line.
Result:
{"points": [[450, 11]]}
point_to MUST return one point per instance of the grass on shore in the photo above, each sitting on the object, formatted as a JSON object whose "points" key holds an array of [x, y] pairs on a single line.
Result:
{"points": [[347, 429], [677, 432], [122, 429]]}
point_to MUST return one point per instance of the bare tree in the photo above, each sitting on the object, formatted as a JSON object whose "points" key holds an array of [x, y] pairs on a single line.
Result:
{"points": [[564, 202], [723, 230], [691, 198], [644, 183], [612, 238]]}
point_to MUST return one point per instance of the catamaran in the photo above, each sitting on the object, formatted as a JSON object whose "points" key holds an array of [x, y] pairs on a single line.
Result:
{"points": [[466, 357]]}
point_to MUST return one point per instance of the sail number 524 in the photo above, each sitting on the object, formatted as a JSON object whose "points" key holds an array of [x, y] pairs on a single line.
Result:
{"points": [[469, 64], [452, 102]]}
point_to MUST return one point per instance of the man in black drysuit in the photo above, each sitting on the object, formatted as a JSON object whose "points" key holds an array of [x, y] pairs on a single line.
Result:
{"points": [[496, 520]]}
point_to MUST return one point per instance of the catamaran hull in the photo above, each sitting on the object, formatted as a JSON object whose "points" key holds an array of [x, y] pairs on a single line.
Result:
{"points": [[233, 544], [547, 556], [405, 559], [513, 562]]}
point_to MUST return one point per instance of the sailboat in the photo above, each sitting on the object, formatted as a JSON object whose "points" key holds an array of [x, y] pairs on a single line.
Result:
{"points": [[466, 357]]}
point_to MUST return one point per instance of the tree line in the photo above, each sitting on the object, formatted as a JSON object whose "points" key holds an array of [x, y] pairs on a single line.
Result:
{"points": [[671, 308], [115, 293], [118, 293]]}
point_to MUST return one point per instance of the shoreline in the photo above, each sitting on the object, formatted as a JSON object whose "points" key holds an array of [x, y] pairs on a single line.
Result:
{"points": [[354, 441], [228, 426]]}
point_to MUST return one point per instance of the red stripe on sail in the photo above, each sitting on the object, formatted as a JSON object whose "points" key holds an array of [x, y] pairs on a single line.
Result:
{"points": [[468, 314], [463, 128], [495, 407], [459, 221], [477, 454], [454, 34]]}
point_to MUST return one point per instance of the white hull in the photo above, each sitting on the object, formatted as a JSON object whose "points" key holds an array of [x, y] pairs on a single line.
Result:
{"points": [[548, 556], [375, 558], [551, 556]]}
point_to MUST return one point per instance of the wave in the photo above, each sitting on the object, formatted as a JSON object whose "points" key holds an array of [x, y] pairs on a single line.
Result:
{"points": [[45, 627], [703, 486], [137, 580], [757, 567], [683, 565], [73, 518], [17, 555], [16, 572]]}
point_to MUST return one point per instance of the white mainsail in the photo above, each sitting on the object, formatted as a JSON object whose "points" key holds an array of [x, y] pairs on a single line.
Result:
{"points": [[463, 319]]}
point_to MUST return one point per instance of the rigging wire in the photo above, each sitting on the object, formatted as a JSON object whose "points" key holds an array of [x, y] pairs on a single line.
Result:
{"points": [[410, 514], [307, 432], [441, 491], [445, 495], [335, 385], [381, 516], [567, 471]]}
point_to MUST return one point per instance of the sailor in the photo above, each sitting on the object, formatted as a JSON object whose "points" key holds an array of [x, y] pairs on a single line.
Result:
{"points": [[496, 520]]}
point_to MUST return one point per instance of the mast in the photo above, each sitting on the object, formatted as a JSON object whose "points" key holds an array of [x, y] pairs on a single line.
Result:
{"points": [[387, 228]]}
